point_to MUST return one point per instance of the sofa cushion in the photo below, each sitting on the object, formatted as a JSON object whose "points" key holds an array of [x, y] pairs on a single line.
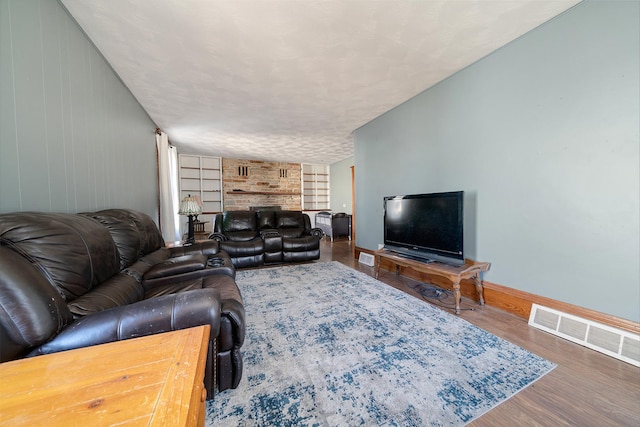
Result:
{"points": [[148, 232], [241, 236], [233, 221], [153, 258], [266, 220], [222, 282], [121, 289], [74, 252], [302, 244], [152, 239], [289, 219], [137, 270], [125, 234], [291, 233]]}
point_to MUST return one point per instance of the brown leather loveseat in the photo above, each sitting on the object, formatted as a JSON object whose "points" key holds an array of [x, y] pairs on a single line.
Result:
{"points": [[254, 238], [74, 280]]}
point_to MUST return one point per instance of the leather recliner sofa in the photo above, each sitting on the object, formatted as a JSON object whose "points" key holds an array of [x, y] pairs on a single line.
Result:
{"points": [[254, 238], [74, 280]]}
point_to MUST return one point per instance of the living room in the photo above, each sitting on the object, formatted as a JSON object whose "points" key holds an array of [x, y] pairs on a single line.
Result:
{"points": [[542, 135]]}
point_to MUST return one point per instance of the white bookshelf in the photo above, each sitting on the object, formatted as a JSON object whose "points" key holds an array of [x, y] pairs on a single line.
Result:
{"points": [[202, 176], [315, 187]]}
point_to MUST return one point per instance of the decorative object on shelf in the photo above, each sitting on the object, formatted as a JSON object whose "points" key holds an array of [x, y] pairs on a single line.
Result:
{"points": [[190, 207], [265, 193]]}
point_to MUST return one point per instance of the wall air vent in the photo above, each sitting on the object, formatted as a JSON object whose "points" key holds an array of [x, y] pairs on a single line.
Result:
{"points": [[605, 339], [243, 170]]}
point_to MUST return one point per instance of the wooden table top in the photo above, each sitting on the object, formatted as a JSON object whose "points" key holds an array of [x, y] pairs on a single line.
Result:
{"points": [[153, 381], [470, 267]]}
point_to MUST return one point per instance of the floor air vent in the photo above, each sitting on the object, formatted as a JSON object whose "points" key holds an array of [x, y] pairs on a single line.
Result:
{"points": [[613, 342], [366, 259]]}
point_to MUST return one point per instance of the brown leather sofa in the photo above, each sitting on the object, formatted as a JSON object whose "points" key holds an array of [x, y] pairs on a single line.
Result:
{"points": [[74, 280], [254, 238]]}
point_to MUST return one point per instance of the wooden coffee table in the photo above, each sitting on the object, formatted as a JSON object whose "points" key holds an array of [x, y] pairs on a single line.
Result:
{"points": [[155, 380]]}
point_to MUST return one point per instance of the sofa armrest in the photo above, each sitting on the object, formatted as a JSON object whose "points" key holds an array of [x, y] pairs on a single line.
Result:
{"points": [[152, 316], [269, 232], [177, 265], [317, 232], [219, 237], [204, 247]]}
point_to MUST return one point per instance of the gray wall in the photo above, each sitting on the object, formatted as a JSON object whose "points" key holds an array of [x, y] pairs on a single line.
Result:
{"points": [[72, 136], [542, 135], [340, 185]]}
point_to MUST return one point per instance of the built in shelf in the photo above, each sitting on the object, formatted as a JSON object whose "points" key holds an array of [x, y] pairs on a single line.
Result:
{"points": [[266, 193]]}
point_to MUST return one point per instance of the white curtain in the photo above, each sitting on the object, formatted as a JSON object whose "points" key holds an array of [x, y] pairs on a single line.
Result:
{"points": [[168, 182]]}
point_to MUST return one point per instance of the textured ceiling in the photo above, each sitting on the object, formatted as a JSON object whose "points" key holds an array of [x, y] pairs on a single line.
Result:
{"points": [[290, 80]]}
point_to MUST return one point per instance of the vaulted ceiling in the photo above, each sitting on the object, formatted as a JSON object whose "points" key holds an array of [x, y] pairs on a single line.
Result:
{"points": [[290, 80]]}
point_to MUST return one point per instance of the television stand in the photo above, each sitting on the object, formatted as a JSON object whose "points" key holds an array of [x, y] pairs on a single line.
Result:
{"points": [[470, 270]]}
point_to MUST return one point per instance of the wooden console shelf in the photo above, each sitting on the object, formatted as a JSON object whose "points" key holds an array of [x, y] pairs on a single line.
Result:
{"points": [[470, 270], [266, 193]]}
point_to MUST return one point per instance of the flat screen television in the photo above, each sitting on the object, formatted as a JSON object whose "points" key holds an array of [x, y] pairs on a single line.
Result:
{"points": [[428, 227]]}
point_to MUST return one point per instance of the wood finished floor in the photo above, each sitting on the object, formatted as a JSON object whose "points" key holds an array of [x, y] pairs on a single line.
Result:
{"points": [[586, 389]]}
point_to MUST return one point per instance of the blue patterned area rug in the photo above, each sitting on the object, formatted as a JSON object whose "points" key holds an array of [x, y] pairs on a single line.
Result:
{"points": [[327, 345]]}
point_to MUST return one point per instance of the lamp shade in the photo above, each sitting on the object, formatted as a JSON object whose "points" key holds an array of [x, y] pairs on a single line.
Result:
{"points": [[190, 206]]}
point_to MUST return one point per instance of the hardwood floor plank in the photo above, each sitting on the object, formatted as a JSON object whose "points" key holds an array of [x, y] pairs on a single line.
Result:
{"points": [[586, 389]]}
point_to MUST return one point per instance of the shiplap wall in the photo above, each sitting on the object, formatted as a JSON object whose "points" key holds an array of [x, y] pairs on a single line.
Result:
{"points": [[72, 136]]}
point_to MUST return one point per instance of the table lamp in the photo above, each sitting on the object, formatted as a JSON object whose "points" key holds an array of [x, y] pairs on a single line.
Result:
{"points": [[190, 207]]}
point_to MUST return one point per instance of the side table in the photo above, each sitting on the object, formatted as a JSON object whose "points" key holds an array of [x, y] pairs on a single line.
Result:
{"points": [[155, 380]]}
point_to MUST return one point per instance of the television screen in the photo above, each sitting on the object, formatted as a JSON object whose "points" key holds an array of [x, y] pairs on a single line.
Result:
{"points": [[426, 226]]}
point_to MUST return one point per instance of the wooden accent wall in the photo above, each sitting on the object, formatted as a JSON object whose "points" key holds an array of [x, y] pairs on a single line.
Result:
{"points": [[512, 300], [265, 184]]}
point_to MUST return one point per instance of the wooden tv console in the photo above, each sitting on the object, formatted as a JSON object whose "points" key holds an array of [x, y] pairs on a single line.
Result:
{"points": [[470, 270]]}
